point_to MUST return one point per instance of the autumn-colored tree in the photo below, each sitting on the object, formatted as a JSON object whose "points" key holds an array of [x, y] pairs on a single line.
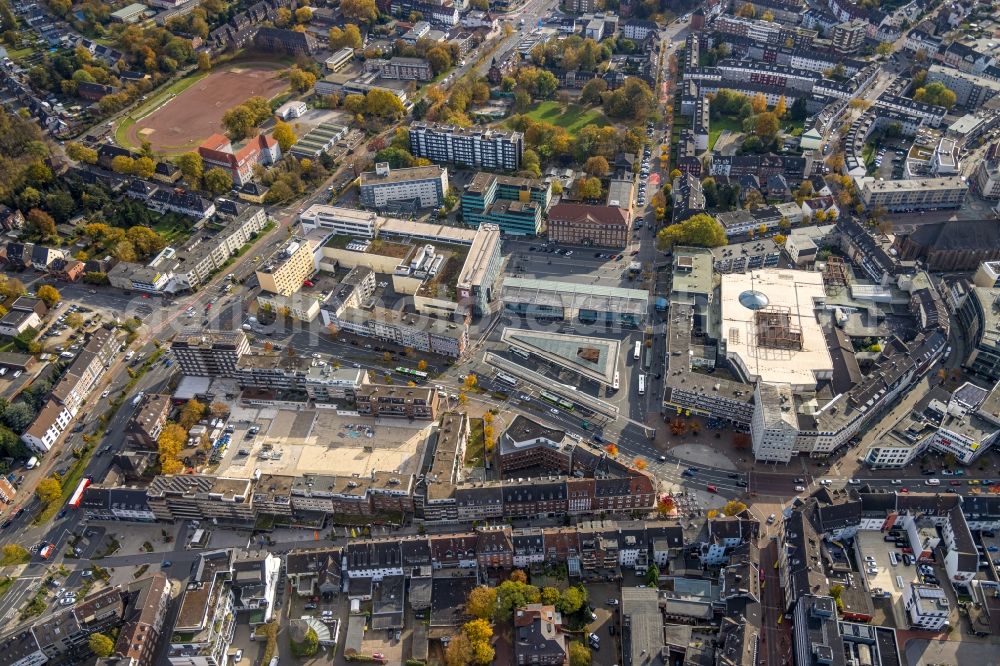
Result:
{"points": [[734, 507], [597, 166], [219, 409], [49, 295], [101, 645], [170, 443], [781, 108], [612, 449], [665, 505], [463, 399], [284, 135], [459, 651], [518, 576], [482, 602], [470, 381], [779, 239], [363, 11], [49, 490], [81, 153], [192, 412], [387, 357], [479, 632], [640, 463]]}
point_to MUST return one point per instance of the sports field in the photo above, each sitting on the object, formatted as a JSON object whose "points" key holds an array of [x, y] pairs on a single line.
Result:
{"points": [[182, 116], [573, 117]]}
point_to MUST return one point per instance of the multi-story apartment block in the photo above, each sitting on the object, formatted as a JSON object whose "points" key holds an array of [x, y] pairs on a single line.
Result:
{"points": [[146, 424], [339, 220], [206, 620], [469, 147], [526, 443], [926, 606], [979, 322], [986, 177], [209, 353], [407, 189], [515, 205], [284, 271], [411, 402], [972, 90], [849, 36], [920, 193], [196, 497], [407, 69]]}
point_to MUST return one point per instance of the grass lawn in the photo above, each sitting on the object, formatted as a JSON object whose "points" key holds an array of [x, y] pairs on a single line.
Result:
{"points": [[719, 126], [171, 230], [475, 450], [573, 117]]}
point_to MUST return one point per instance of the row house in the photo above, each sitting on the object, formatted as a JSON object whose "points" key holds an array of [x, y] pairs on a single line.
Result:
{"points": [[495, 548], [529, 547], [531, 498], [373, 559], [454, 550]]}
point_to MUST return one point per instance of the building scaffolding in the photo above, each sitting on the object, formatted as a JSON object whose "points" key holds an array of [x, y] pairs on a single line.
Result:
{"points": [[835, 273], [775, 328]]}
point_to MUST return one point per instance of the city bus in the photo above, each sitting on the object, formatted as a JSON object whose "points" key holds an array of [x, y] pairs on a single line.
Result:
{"points": [[642, 384], [74, 500], [506, 379], [414, 374], [616, 382], [520, 352], [638, 350]]}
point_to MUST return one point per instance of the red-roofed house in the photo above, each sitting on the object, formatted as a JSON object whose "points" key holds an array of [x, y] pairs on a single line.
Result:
{"points": [[217, 151], [580, 224]]}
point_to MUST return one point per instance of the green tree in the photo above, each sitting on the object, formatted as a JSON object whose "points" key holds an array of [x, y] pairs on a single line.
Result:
{"points": [[284, 135], [300, 79], [701, 230], [382, 103], [204, 61], [550, 595], [363, 11], [572, 599], [40, 224], [143, 167], [588, 188], [350, 36], [513, 594], [238, 121], [101, 645], [218, 181], [81, 153], [653, 576], [191, 165], [49, 490], [937, 93], [439, 59], [597, 166], [14, 553], [579, 654], [49, 295], [884, 49], [481, 602]]}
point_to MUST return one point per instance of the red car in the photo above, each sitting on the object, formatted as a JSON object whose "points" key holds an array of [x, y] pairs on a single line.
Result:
{"points": [[954, 483], [712, 489], [208, 307]]}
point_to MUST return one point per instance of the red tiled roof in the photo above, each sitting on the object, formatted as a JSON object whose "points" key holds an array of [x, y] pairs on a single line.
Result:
{"points": [[584, 213]]}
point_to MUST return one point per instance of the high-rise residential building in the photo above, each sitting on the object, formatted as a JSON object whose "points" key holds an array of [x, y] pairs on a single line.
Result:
{"points": [[404, 189], [209, 353], [849, 36], [513, 204], [468, 147], [284, 271]]}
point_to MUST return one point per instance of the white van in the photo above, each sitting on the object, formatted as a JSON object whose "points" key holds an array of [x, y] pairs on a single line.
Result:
{"points": [[932, 482]]}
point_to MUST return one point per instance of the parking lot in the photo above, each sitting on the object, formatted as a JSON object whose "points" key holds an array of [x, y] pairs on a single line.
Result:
{"points": [[547, 261], [887, 575]]}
